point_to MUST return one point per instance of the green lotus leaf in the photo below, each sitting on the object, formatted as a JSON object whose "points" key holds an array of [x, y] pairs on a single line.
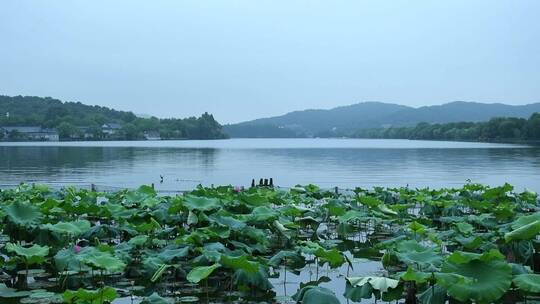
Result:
{"points": [[393, 294], [417, 227], [416, 276], [465, 228], [435, 294], [192, 218], [45, 295], [356, 294], [202, 272], [171, 253], [331, 256], [411, 252], [6, 292], [139, 240], [460, 257], [228, 221], [335, 207], [471, 242], [253, 199], [528, 282], [75, 228], [483, 278], [315, 295], [287, 257], [381, 284], [100, 259], [154, 298], [34, 254], [240, 262], [526, 232], [201, 203], [352, 215], [369, 201], [66, 259], [84, 296], [23, 214], [257, 279], [261, 213], [284, 231], [385, 210], [525, 220], [293, 210], [108, 263]]}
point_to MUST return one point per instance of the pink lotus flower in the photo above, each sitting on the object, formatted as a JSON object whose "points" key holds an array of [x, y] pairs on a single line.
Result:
{"points": [[237, 189], [77, 248]]}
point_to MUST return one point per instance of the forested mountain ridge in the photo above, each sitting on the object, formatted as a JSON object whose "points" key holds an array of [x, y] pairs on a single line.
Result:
{"points": [[506, 129], [347, 120], [71, 119]]}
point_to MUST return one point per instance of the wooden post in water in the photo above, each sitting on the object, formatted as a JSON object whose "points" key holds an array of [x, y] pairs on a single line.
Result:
{"points": [[152, 185], [93, 187], [271, 182], [252, 183]]}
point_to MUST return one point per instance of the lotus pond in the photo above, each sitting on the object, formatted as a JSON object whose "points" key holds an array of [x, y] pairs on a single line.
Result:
{"points": [[475, 244]]}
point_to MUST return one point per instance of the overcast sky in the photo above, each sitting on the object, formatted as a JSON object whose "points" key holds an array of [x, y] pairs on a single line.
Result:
{"points": [[247, 59]]}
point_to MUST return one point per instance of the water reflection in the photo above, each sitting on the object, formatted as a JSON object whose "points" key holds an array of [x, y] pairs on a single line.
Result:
{"points": [[186, 164]]}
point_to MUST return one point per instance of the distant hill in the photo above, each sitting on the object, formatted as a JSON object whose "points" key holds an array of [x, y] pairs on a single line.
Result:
{"points": [[370, 115], [72, 118]]}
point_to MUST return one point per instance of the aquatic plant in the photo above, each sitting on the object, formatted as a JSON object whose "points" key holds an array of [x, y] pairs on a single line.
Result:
{"points": [[475, 243]]}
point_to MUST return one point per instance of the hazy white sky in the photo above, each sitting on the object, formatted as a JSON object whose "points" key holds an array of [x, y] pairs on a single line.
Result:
{"points": [[244, 59]]}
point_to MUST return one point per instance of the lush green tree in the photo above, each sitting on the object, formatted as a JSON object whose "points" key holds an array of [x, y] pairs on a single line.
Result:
{"points": [[501, 128], [66, 130], [71, 118], [533, 127], [130, 131]]}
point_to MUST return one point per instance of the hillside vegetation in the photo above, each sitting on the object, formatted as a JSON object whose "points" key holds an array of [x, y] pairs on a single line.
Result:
{"points": [[73, 118], [347, 120], [501, 128]]}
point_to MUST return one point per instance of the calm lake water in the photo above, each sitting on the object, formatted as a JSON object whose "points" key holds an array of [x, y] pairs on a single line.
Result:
{"points": [[327, 162]]}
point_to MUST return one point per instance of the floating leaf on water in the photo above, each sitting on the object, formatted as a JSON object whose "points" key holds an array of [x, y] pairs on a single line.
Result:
{"points": [[188, 299]]}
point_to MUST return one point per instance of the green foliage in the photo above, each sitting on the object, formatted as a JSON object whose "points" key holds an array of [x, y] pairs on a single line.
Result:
{"points": [[502, 128], [74, 120], [483, 278], [84, 296], [528, 282], [75, 228], [202, 272], [450, 244], [381, 284], [315, 295], [23, 213], [34, 254]]}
